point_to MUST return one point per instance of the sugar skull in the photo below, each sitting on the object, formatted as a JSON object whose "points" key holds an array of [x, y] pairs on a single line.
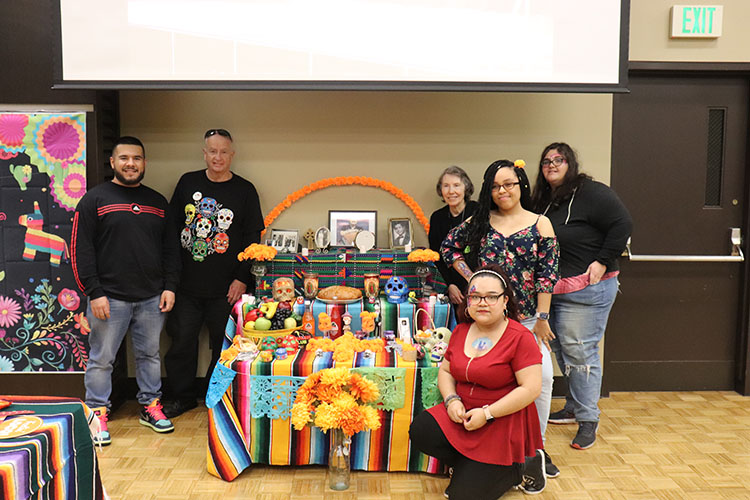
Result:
{"points": [[221, 242], [302, 337], [396, 290], [189, 213], [283, 290], [224, 218], [203, 227], [185, 237], [207, 206], [266, 356], [268, 344], [290, 343], [438, 351], [200, 250]]}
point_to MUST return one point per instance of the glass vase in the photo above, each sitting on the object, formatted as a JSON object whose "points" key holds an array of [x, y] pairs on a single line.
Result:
{"points": [[258, 269], [423, 271], [339, 471]]}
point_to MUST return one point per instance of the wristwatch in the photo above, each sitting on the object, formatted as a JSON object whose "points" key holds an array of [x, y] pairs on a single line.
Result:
{"points": [[487, 415], [542, 316]]}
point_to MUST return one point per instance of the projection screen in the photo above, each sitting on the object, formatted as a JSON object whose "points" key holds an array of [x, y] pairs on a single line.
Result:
{"points": [[331, 44]]}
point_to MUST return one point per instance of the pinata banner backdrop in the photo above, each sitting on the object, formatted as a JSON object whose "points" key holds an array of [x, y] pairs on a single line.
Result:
{"points": [[42, 178]]}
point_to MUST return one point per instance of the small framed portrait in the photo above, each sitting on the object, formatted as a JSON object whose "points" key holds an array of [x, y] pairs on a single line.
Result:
{"points": [[399, 233], [322, 237], [284, 240], [345, 225]]}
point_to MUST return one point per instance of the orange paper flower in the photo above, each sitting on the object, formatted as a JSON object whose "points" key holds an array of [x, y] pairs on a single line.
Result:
{"points": [[349, 181]]}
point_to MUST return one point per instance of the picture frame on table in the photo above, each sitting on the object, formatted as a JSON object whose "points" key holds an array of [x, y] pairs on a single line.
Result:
{"points": [[322, 237], [399, 233], [284, 240], [345, 224]]}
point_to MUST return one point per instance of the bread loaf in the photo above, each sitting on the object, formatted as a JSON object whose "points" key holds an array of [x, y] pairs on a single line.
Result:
{"points": [[337, 292]]}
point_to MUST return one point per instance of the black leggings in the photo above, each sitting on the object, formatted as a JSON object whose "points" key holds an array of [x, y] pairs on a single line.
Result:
{"points": [[471, 480]]}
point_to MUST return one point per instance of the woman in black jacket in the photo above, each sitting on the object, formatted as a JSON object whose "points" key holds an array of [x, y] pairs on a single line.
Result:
{"points": [[592, 226]]}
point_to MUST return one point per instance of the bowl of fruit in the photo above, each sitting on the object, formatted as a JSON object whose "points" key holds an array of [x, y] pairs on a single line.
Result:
{"points": [[269, 318]]}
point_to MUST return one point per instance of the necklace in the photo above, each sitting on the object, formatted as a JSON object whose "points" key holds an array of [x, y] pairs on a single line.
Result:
{"points": [[461, 215]]}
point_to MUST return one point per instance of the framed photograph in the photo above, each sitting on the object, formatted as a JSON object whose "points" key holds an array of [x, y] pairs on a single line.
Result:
{"points": [[284, 240], [399, 233], [345, 225], [322, 237]]}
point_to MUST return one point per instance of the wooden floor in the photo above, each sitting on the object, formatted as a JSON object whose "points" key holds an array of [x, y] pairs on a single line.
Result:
{"points": [[667, 446]]}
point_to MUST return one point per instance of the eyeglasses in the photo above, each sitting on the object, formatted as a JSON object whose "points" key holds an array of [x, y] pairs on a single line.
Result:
{"points": [[490, 300], [556, 161], [507, 186], [220, 131]]}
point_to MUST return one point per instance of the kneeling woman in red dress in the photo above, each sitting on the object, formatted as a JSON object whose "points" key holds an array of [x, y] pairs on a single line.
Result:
{"points": [[489, 379]]}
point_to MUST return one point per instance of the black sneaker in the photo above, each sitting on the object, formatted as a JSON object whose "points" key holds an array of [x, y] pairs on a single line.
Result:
{"points": [[534, 477], [549, 468], [586, 436], [562, 417], [176, 408]]}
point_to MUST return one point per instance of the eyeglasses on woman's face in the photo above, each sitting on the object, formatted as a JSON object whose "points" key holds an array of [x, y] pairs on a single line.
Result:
{"points": [[556, 161], [489, 299], [507, 186]]}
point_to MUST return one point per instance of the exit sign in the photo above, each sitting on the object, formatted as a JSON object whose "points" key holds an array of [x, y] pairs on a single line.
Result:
{"points": [[696, 21]]}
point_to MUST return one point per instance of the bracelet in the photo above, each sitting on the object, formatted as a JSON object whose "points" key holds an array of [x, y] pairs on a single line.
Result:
{"points": [[450, 399]]}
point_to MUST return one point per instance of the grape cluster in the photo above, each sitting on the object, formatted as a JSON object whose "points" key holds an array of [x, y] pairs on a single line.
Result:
{"points": [[277, 322]]}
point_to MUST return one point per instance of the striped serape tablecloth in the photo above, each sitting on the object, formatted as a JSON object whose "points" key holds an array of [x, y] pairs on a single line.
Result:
{"points": [[55, 461], [241, 432]]}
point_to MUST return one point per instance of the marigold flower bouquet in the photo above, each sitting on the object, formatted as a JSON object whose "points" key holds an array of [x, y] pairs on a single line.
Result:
{"points": [[257, 252], [423, 255], [335, 398]]}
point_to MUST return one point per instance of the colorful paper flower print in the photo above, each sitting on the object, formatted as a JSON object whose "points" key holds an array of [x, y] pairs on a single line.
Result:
{"points": [[60, 138], [11, 130], [69, 187], [82, 323], [69, 299], [10, 311], [6, 365]]}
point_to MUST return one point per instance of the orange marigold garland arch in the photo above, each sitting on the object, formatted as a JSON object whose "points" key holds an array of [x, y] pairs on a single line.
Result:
{"points": [[348, 181]]}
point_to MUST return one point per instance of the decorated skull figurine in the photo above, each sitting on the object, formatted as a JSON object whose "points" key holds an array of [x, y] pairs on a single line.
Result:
{"points": [[438, 351], [290, 343], [221, 242], [269, 344], [224, 218], [440, 334], [207, 206], [396, 290], [283, 290]]}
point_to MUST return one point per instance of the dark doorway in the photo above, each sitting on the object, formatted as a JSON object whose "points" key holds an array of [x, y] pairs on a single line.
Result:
{"points": [[678, 162]]}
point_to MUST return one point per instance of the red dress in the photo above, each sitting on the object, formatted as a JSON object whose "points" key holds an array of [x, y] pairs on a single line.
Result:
{"points": [[504, 440]]}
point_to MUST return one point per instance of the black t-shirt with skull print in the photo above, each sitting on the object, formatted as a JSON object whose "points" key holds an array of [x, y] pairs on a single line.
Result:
{"points": [[215, 221]]}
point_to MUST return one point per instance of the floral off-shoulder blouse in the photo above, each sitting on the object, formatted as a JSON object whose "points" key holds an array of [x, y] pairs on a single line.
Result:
{"points": [[529, 259]]}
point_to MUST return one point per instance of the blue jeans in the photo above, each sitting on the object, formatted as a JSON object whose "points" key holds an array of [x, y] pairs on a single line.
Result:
{"points": [[579, 320], [544, 400], [145, 321]]}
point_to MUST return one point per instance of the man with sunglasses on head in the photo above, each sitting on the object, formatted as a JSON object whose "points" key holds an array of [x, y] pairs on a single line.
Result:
{"points": [[216, 215]]}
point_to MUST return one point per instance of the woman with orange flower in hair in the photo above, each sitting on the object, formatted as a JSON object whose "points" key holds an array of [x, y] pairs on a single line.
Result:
{"points": [[504, 231]]}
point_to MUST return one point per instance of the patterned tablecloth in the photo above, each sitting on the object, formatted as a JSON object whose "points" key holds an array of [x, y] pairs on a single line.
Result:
{"points": [[250, 401], [55, 461]]}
